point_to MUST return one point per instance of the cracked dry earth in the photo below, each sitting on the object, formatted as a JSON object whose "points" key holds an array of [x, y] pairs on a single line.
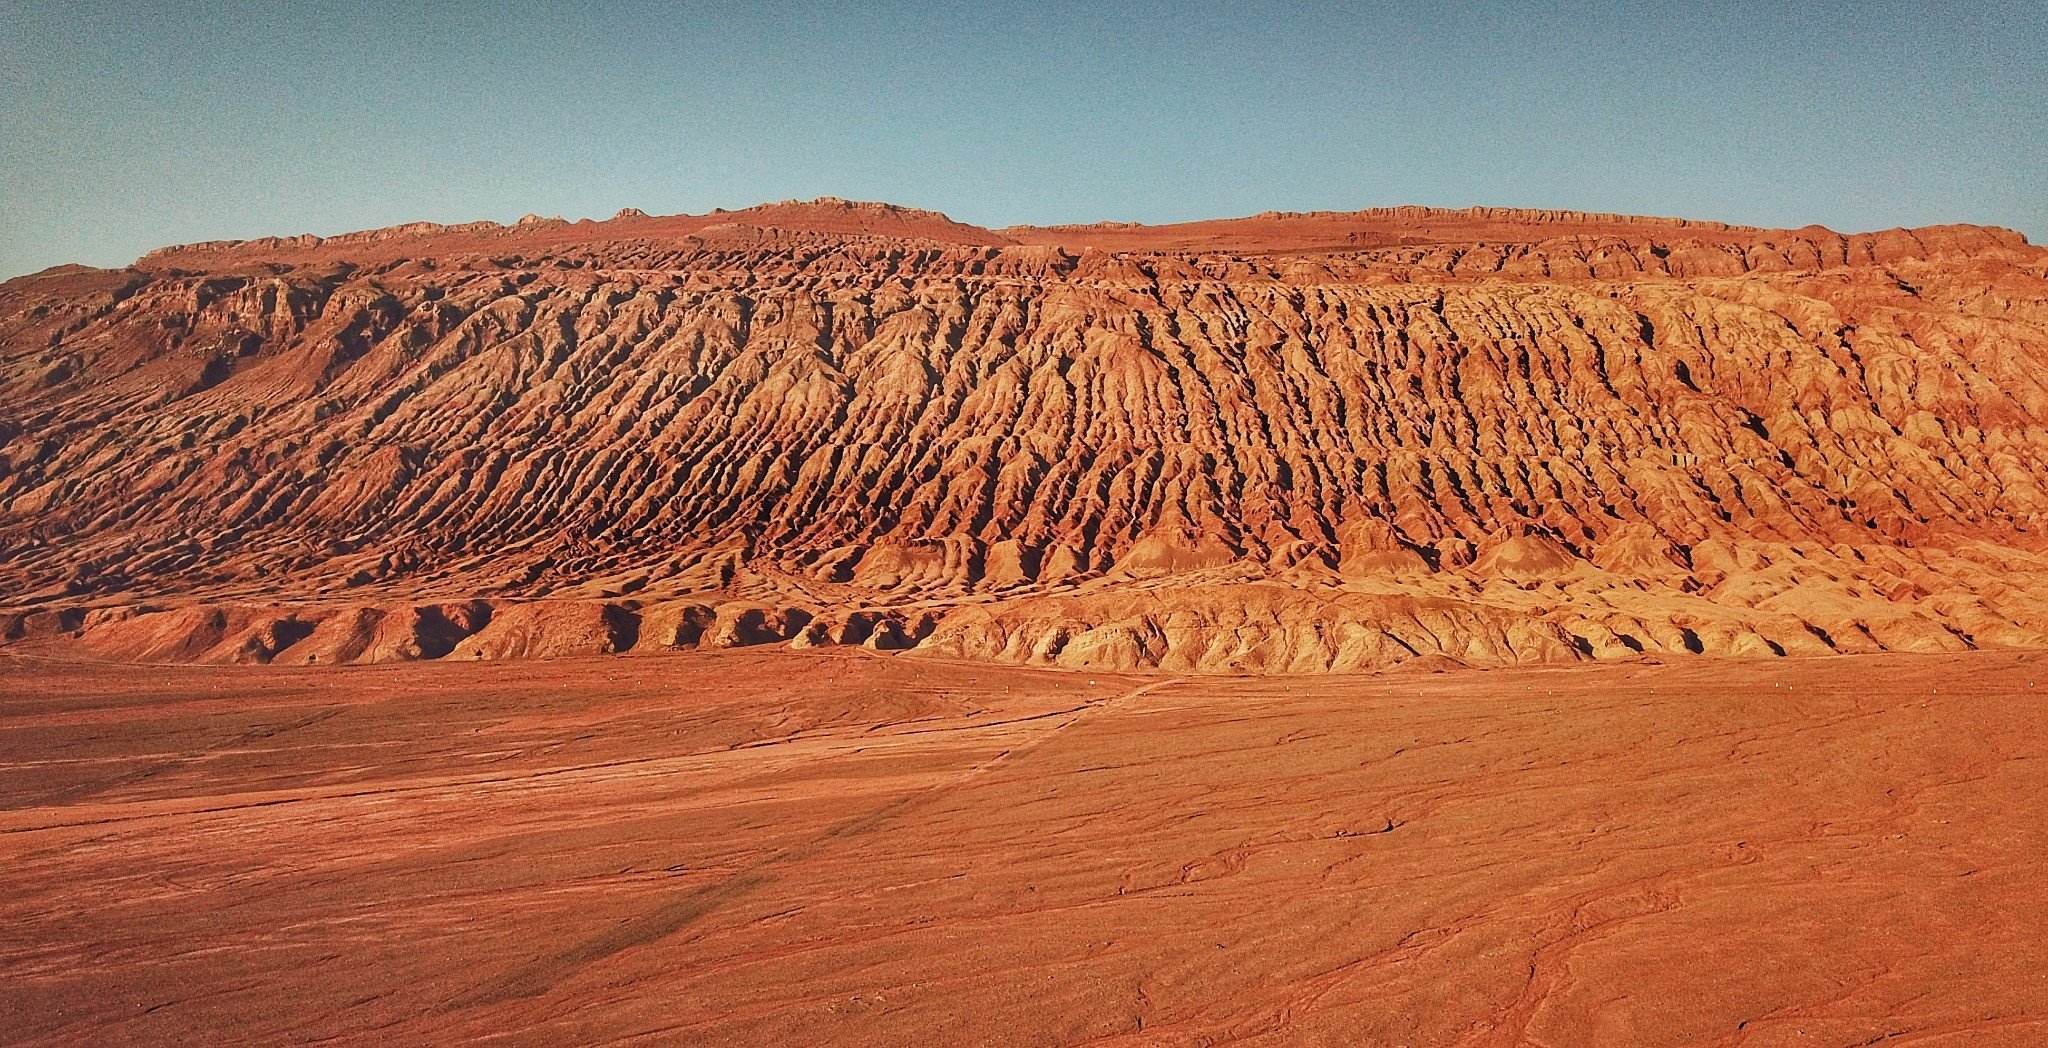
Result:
{"points": [[846, 847]]}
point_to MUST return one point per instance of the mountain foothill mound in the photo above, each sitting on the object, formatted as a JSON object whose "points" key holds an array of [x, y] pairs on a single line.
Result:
{"points": [[1286, 443]]}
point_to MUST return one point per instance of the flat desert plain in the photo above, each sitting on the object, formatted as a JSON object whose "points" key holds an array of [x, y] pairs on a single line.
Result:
{"points": [[843, 847]]}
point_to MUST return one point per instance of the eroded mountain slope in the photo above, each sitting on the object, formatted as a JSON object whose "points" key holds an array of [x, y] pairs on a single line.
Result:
{"points": [[1291, 442]]}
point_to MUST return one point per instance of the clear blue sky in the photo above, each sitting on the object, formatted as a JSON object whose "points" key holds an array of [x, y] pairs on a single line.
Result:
{"points": [[124, 126]]}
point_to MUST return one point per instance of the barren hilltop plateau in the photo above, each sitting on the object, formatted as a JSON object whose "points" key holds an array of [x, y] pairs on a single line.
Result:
{"points": [[1288, 443]]}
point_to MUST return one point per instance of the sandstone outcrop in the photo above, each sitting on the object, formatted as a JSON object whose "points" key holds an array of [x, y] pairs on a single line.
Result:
{"points": [[1285, 443]]}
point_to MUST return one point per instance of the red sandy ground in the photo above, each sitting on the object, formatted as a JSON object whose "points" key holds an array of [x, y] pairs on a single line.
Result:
{"points": [[776, 847]]}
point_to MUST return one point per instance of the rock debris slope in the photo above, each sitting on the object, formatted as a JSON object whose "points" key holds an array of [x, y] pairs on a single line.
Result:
{"points": [[1285, 443]]}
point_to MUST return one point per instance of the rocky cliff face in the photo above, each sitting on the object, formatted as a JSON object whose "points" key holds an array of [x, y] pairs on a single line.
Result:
{"points": [[1284, 443]]}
